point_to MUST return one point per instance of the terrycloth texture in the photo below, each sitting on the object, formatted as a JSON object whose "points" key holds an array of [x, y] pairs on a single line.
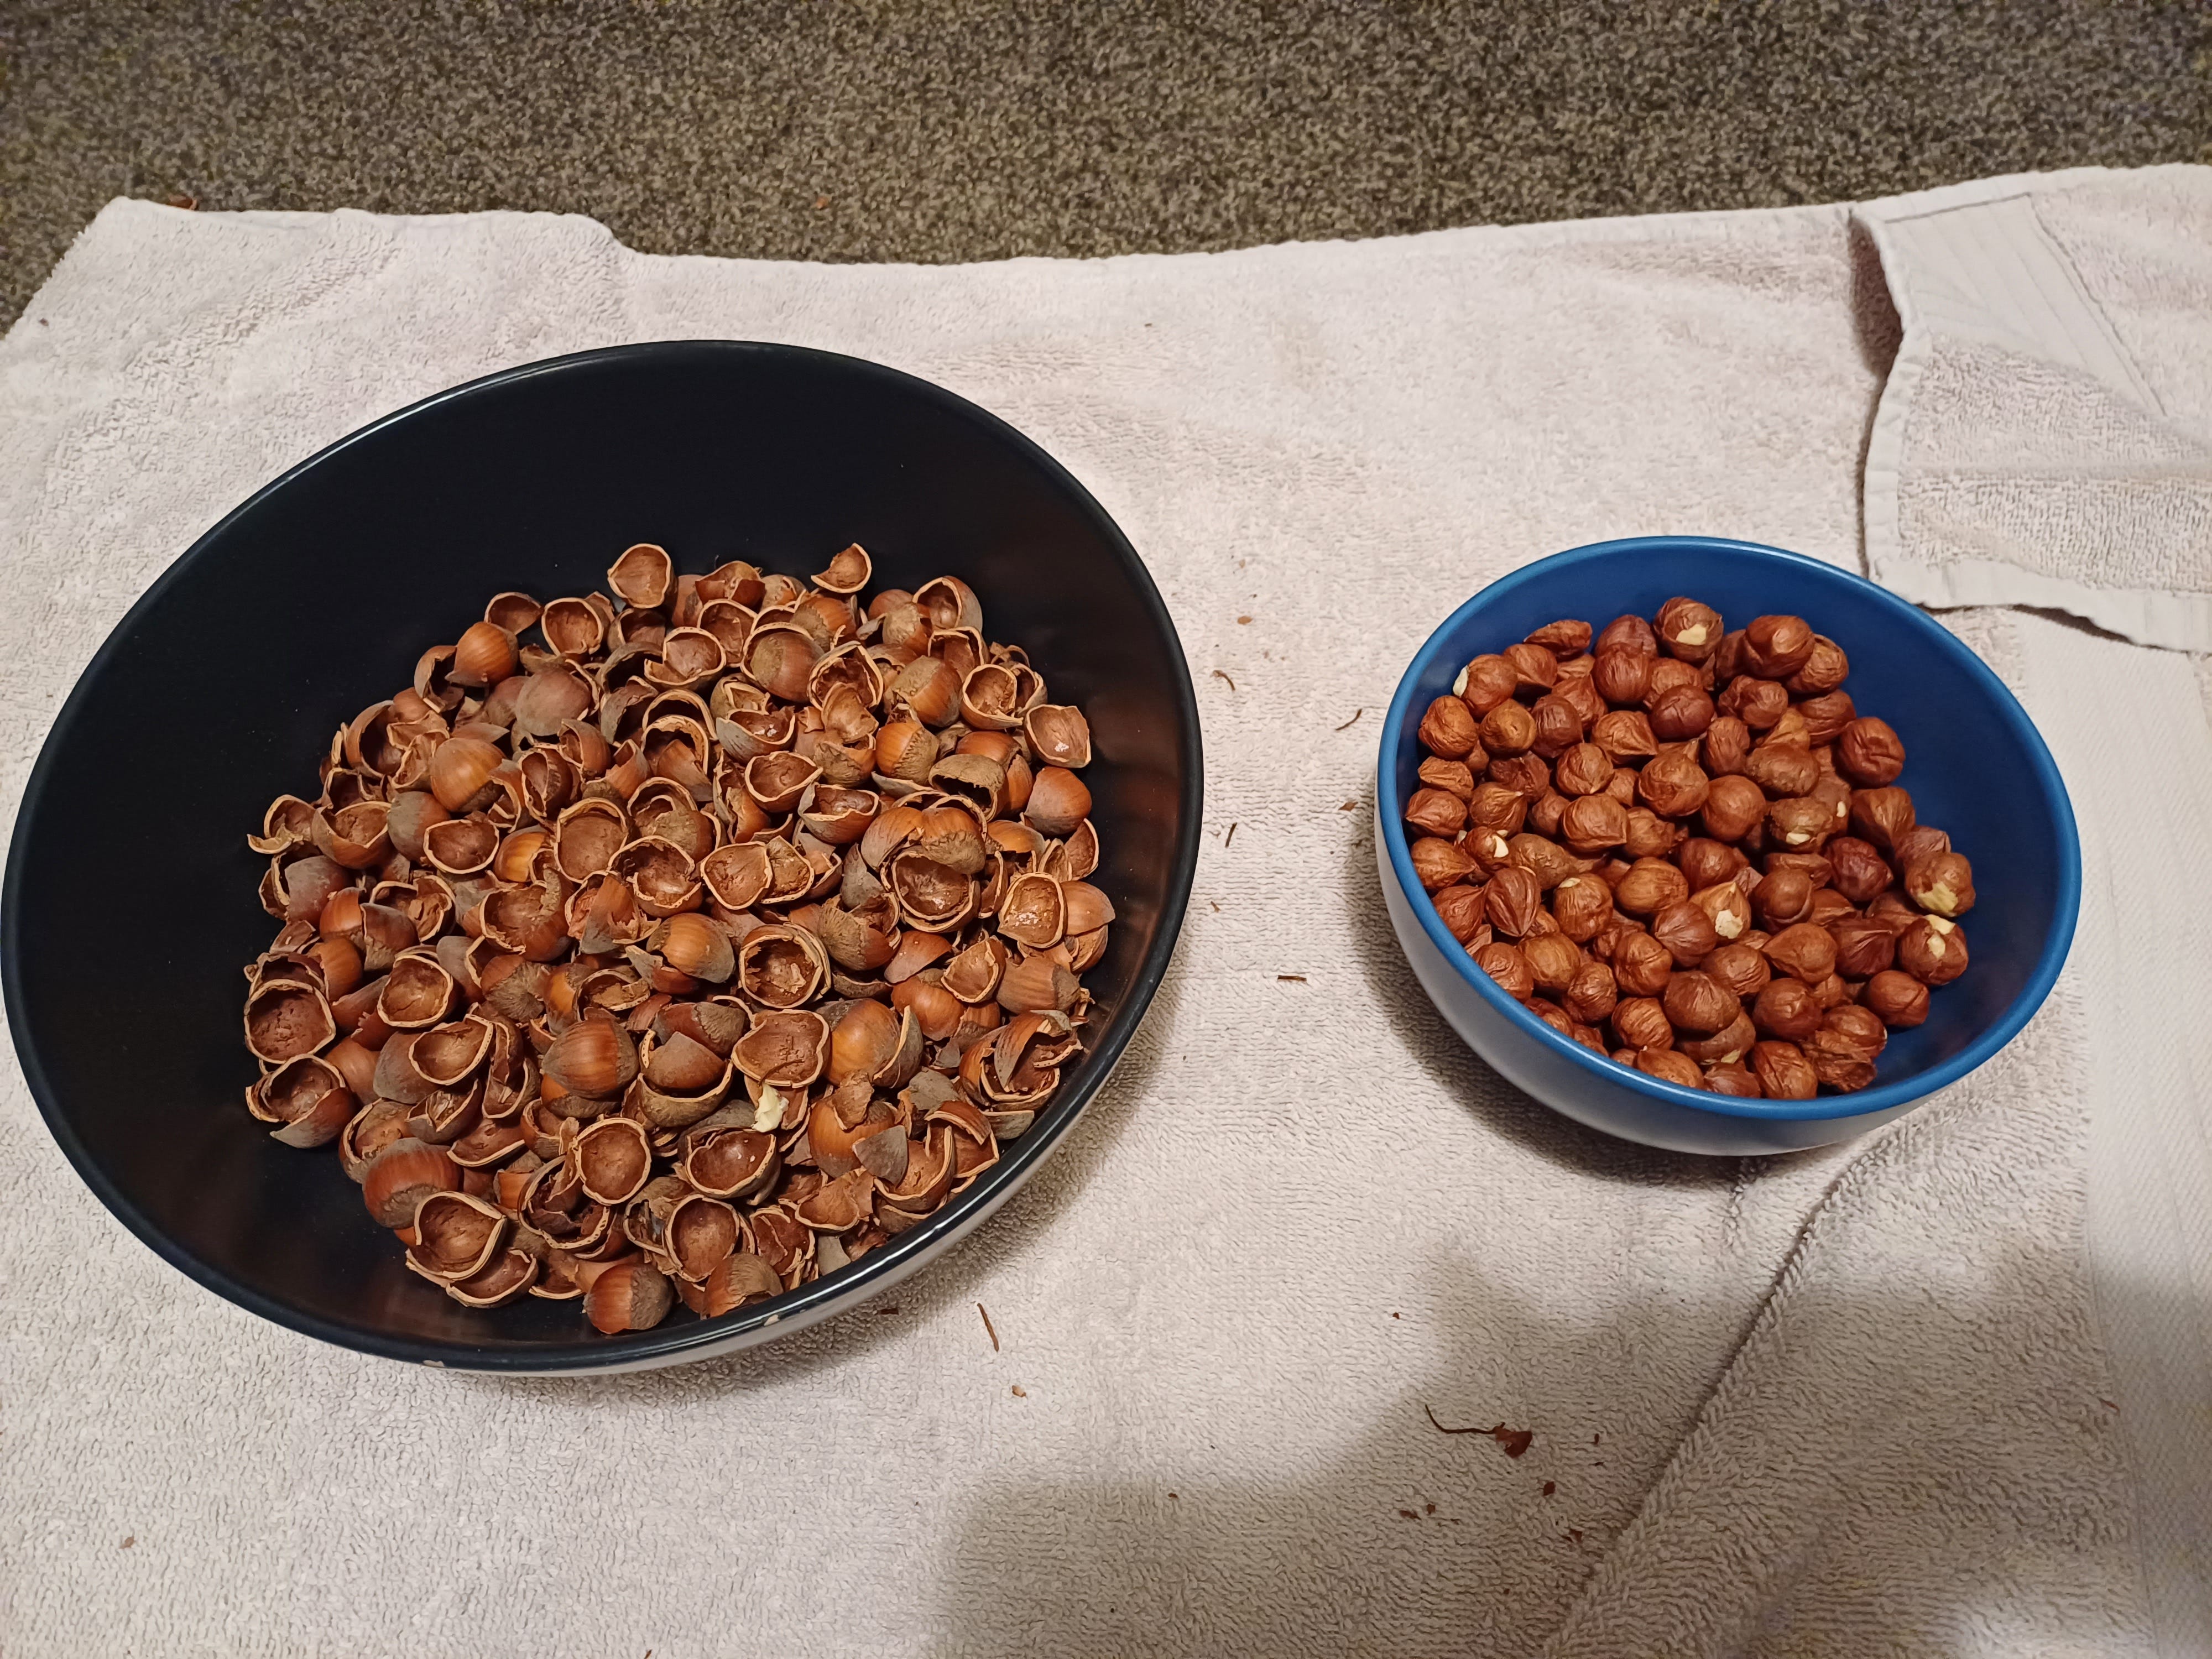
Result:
{"points": [[2046, 437], [1914, 1452], [1299, 1218]]}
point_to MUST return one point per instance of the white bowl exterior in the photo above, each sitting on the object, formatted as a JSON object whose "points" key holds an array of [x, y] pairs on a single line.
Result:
{"points": [[1535, 1067]]}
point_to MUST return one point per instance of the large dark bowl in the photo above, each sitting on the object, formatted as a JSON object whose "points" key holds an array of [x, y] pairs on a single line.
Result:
{"points": [[130, 906]]}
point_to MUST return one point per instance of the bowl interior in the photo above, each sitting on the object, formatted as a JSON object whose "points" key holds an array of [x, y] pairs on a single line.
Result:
{"points": [[1975, 766], [130, 901]]}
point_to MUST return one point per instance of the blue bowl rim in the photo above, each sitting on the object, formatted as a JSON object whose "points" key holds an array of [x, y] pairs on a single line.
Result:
{"points": [[1902, 1090]]}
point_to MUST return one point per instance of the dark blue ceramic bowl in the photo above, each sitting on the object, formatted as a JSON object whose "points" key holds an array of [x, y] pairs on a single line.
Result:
{"points": [[1975, 765]]}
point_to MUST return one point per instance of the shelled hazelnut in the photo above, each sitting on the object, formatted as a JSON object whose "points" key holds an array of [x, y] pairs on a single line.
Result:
{"points": [[1686, 846]]}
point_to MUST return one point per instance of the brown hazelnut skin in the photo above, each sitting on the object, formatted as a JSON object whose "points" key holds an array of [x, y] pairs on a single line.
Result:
{"points": [[1567, 637], [1686, 932], [1826, 668], [1622, 676], [1508, 729], [1800, 823], [1488, 681], [1834, 991], [1679, 712], [1489, 849], [1786, 1009], [1775, 648], [1688, 629], [1592, 995], [1790, 728], [1743, 969], [1917, 842], [1863, 945], [1454, 777], [1588, 1036], [1438, 863], [1861, 1027], [1932, 950], [1582, 905], [1893, 910], [1897, 1000], [1584, 769], [1673, 784], [1829, 907], [1802, 951], [1642, 1022], [1650, 835], [1782, 1071], [1783, 768], [1461, 909], [1670, 1067], [1624, 734], [1591, 823], [1782, 898], [1578, 693], [1449, 729], [1433, 812], [1869, 753], [1495, 807], [1816, 868], [1642, 965], [1942, 883], [1548, 861], [1725, 746], [1733, 1078], [1705, 861], [1513, 898], [1699, 1004], [1726, 1046], [1534, 669], [1622, 785], [1527, 773], [1857, 871], [1881, 816], [1733, 806], [1552, 959], [1727, 661], [1726, 908], [1504, 964], [1844, 1050], [1546, 812], [1826, 716], [1629, 634], [1559, 725], [1649, 885], [1757, 703]]}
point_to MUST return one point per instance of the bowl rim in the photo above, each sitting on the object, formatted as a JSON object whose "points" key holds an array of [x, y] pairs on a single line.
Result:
{"points": [[809, 1302], [1899, 1092]]}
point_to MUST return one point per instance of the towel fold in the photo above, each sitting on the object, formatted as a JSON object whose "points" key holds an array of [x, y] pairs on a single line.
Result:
{"points": [[2045, 437]]}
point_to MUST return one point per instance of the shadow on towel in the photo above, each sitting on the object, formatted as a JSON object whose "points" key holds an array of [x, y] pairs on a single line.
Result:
{"points": [[1398, 1538]]}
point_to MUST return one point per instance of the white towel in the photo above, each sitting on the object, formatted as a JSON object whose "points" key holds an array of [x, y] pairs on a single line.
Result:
{"points": [[2046, 436], [1299, 1220]]}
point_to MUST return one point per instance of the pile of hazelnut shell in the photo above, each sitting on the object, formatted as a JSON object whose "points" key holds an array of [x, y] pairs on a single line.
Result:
{"points": [[1685, 848]]}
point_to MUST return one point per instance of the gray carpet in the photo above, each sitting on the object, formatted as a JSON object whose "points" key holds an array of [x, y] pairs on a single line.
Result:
{"points": [[962, 130]]}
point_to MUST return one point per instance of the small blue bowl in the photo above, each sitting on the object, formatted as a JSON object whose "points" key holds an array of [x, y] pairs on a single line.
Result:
{"points": [[1975, 766]]}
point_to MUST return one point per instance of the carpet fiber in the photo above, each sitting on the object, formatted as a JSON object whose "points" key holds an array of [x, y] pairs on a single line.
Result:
{"points": [[950, 129]]}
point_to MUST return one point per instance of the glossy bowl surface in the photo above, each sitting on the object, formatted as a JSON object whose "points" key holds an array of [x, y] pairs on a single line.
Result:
{"points": [[129, 907], [1975, 765]]}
